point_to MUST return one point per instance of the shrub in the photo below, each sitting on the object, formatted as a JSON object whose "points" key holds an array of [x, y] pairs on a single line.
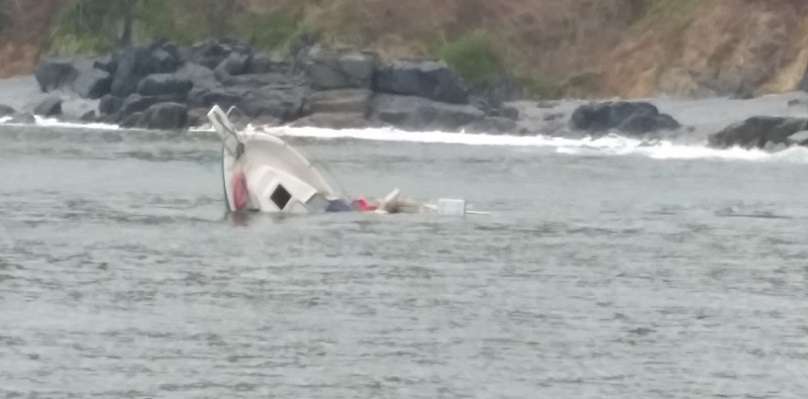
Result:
{"points": [[270, 31], [473, 57]]}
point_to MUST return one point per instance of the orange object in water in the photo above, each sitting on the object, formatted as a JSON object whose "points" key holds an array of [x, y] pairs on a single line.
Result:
{"points": [[240, 193]]}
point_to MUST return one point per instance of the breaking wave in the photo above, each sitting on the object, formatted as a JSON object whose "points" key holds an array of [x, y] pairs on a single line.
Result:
{"points": [[609, 145]]}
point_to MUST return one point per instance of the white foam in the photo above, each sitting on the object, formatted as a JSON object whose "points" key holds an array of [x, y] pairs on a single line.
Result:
{"points": [[5, 119], [609, 145], [50, 122]]}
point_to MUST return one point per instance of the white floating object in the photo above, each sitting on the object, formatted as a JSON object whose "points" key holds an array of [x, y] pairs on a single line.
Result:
{"points": [[451, 207]]}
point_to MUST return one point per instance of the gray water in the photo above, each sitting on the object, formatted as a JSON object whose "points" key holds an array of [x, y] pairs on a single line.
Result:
{"points": [[596, 276]]}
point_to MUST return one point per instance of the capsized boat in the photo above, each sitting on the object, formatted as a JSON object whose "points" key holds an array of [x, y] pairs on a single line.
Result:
{"points": [[261, 172]]}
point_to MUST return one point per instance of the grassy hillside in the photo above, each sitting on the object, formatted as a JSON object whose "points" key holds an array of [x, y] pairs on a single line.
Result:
{"points": [[554, 47]]}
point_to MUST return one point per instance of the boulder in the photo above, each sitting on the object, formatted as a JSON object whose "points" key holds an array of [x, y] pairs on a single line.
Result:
{"points": [[284, 102], [5, 110], [135, 63], [166, 116], [109, 105], [799, 138], [138, 103], [328, 70], [338, 120], [51, 106], [132, 67], [416, 113], [198, 117], [629, 117], [199, 75], [234, 64], [255, 80], [91, 82], [262, 63], [645, 123], [356, 101], [223, 97], [107, 64], [23, 119], [132, 120], [759, 132], [88, 116], [55, 74], [492, 125], [164, 84], [428, 79], [210, 53]]}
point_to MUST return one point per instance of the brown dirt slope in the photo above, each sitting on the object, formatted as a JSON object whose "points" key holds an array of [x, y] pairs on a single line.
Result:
{"points": [[629, 48]]}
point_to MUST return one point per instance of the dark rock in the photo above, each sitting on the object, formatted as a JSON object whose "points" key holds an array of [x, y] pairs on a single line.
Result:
{"points": [[138, 103], [630, 117], [282, 102], [509, 112], [799, 138], [223, 97], [261, 63], [133, 65], [198, 117], [55, 74], [88, 116], [255, 80], [51, 106], [199, 75], [329, 70], [797, 102], [644, 123], [492, 125], [5, 110], [415, 113], [107, 64], [234, 64], [353, 101], [345, 120], [428, 79], [162, 61], [166, 116], [23, 119], [91, 82], [109, 105], [164, 84], [759, 132], [132, 120], [210, 53]]}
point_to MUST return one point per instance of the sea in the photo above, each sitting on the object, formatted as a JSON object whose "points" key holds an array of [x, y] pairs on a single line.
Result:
{"points": [[598, 267]]}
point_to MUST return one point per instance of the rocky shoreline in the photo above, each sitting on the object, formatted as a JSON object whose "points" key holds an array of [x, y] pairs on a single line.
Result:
{"points": [[163, 86]]}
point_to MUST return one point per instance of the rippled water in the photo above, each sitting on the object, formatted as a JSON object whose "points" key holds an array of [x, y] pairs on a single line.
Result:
{"points": [[598, 275]]}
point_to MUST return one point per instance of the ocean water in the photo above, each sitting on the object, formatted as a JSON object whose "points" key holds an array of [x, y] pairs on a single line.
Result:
{"points": [[608, 268]]}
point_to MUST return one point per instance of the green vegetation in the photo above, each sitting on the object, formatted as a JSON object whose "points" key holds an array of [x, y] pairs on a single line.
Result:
{"points": [[96, 26], [271, 31], [473, 57], [87, 26], [665, 13]]}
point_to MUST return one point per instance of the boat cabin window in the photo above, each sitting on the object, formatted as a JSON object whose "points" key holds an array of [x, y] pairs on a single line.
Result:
{"points": [[280, 196]]}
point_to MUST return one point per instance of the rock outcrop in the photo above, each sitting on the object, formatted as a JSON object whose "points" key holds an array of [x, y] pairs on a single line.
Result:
{"points": [[428, 79], [161, 86], [51, 106], [635, 118], [762, 132]]}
